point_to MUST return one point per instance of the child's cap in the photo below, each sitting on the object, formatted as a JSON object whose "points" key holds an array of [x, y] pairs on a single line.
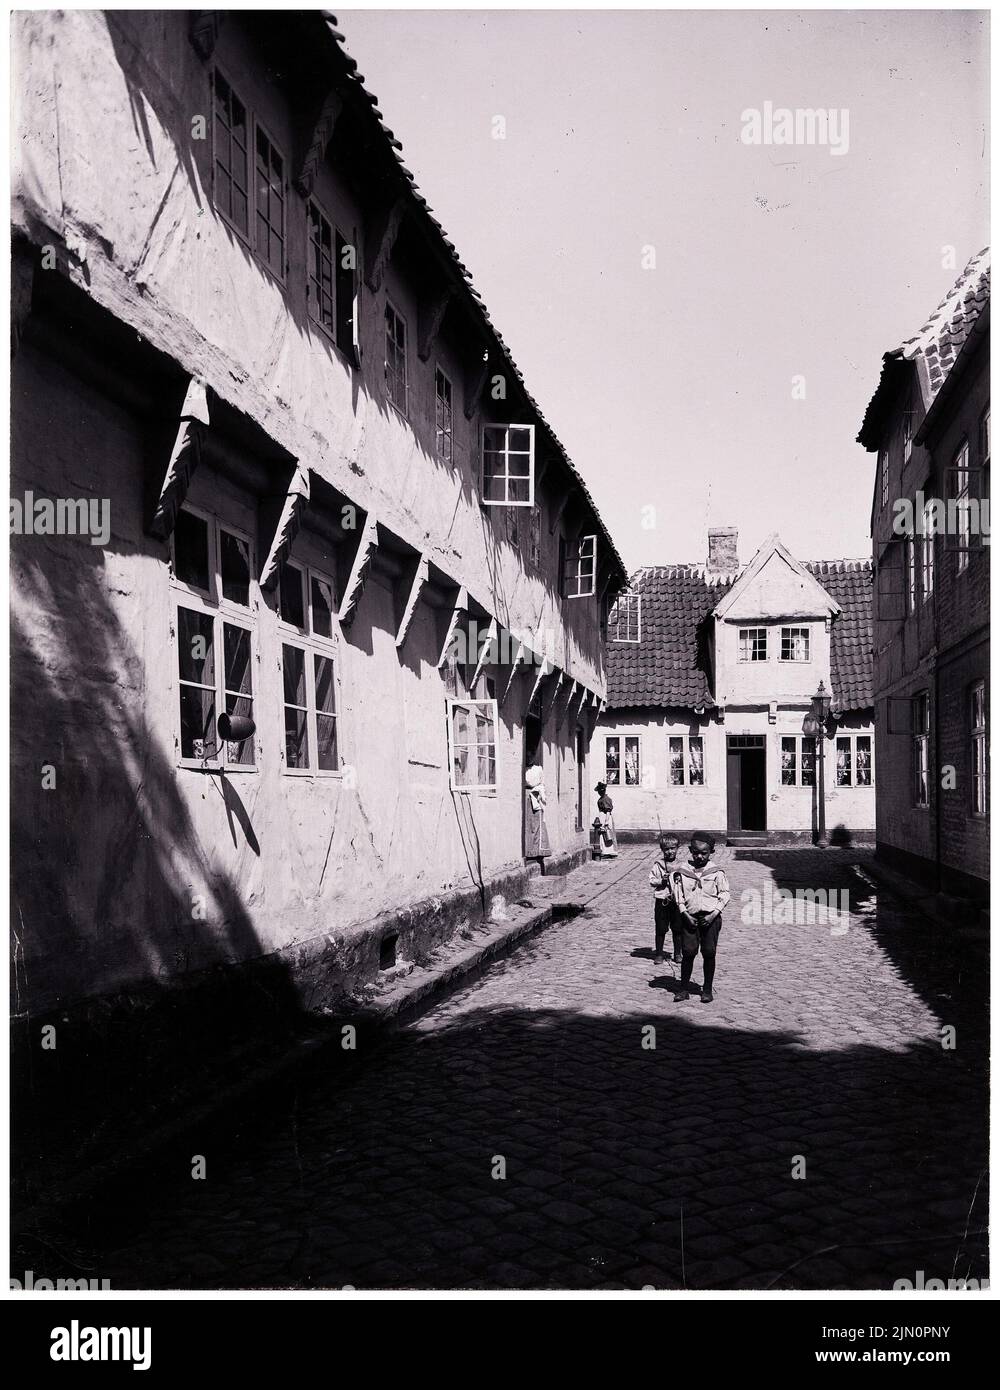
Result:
{"points": [[702, 837]]}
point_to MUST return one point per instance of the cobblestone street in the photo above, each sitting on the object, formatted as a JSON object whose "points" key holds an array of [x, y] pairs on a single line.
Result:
{"points": [[623, 1165]]}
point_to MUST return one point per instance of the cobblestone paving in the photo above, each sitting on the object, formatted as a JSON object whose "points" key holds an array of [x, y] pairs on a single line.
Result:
{"points": [[625, 1166]]}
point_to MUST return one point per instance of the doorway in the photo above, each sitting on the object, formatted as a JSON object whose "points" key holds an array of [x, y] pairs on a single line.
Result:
{"points": [[746, 783], [532, 755]]}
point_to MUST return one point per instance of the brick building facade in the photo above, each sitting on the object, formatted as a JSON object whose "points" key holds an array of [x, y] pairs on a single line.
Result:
{"points": [[711, 673], [928, 425]]}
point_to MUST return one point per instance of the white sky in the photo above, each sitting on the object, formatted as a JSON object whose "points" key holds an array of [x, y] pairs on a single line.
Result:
{"points": [[672, 387]]}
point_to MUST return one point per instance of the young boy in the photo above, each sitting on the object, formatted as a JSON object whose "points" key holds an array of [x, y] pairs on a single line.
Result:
{"points": [[702, 893], [665, 914]]}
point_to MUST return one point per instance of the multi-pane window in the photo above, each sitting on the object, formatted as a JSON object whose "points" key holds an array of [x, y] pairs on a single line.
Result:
{"points": [[395, 359], [798, 761], [753, 643], [854, 760], [580, 567], [622, 766], [795, 644], [321, 296], [960, 492], [927, 531], [624, 622], [270, 203], [984, 438], [443, 416], [686, 760], [910, 570], [920, 710], [508, 465], [472, 744], [979, 749], [306, 602], [908, 432], [883, 464], [213, 630], [231, 174]]}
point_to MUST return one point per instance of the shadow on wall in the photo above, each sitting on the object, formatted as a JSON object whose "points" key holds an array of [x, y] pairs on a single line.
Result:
{"points": [[105, 869]]}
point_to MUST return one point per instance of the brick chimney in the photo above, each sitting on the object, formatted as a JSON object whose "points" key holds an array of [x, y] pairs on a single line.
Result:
{"points": [[722, 550]]}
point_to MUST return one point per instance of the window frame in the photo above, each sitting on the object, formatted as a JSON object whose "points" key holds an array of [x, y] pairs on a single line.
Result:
{"points": [[441, 375], [795, 660], [963, 537], [313, 644], [920, 750], [312, 202], [244, 235], [223, 611], [575, 562], [627, 640], [478, 788], [752, 635], [907, 430], [685, 742], [390, 308], [851, 737], [927, 558], [799, 752], [279, 275], [506, 500], [979, 767]]}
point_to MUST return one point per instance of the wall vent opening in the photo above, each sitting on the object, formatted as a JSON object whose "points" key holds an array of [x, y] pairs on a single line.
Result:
{"points": [[387, 951]]}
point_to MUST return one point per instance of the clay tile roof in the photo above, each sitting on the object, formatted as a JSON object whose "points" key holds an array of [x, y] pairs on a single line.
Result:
{"points": [[935, 348], [850, 583], [671, 665]]}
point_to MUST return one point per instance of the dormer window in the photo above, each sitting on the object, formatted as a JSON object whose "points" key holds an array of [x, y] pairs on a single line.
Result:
{"points": [[753, 643], [795, 644]]}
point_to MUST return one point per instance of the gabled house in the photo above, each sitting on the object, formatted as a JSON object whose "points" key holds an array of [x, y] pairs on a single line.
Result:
{"points": [[928, 425], [712, 670]]}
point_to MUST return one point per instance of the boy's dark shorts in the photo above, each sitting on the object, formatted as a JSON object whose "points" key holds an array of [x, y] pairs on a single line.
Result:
{"points": [[705, 937]]}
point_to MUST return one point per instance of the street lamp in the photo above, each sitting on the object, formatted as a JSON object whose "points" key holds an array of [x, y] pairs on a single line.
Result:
{"points": [[820, 713]]}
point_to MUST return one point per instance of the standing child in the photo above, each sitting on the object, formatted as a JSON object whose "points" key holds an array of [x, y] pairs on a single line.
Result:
{"points": [[665, 913], [702, 892]]}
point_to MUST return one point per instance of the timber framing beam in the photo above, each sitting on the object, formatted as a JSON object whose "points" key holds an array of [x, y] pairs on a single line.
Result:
{"points": [[460, 609], [169, 489], [380, 241], [557, 511], [314, 142], [204, 31], [475, 379], [420, 576], [519, 662], [360, 569], [487, 650], [430, 318], [280, 521]]}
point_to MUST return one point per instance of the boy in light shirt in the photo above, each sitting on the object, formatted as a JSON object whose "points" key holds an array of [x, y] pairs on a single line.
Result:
{"points": [[702, 892], [665, 914]]}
